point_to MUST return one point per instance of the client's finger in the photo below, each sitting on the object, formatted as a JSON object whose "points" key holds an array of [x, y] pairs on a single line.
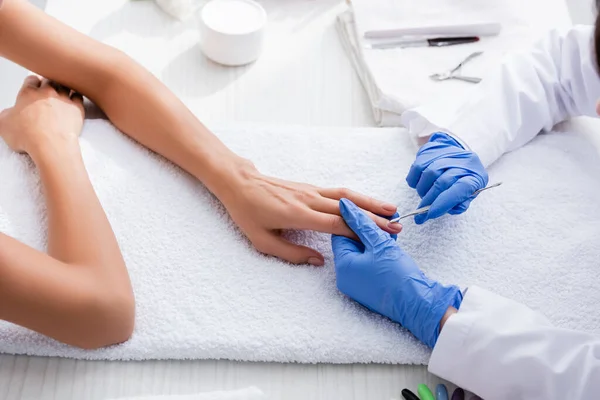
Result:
{"points": [[45, 83], [31, 82], [330, 206], [60, 89], [52, 86], [362, 201], [76, 97], [274, 245], [322, 222], [393, 224]]}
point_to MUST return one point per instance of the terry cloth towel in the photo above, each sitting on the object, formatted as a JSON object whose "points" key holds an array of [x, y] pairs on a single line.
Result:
{"points": [[250, 393], [398, 79], [204, 293]]}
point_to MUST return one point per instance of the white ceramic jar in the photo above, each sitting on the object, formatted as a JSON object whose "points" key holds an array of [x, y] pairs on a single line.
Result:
{"points": [[231, 31]]}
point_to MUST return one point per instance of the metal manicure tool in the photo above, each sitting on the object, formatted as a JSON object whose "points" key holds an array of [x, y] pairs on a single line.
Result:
{"points": [[423, 210], [454, 73]]}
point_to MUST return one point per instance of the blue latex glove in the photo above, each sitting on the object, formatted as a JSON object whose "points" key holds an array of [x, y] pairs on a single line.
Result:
{"points": [[380, 276], [445, 176]]}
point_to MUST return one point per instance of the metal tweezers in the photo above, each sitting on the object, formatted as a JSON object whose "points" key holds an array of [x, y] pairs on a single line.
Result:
{"points": [[423, 210]]}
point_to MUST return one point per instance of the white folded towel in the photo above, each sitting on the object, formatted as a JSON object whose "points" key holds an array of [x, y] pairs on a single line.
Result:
{"points": [[204, 293], [398, 79], [250, 393]]}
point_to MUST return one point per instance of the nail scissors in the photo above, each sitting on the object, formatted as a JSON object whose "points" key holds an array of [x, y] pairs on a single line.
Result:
{"points": [[454, 73]]}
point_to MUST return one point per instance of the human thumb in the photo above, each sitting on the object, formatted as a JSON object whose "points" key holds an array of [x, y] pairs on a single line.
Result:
{"points": [[343, 247], [364, 227]]}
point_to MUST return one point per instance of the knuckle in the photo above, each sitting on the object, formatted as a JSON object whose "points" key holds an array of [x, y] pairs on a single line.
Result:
{"points": [[417, 166], [485, 177], [304, 196], [370, 202], [443, 182], [344, 192], [430, 172], [337, 224]]}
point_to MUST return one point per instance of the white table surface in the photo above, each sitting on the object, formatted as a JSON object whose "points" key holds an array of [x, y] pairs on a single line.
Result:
{"points": [[303, 78]]}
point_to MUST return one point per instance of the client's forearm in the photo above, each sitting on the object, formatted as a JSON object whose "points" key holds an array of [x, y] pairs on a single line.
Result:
{"points": [[78, 231], [142, 107], [80, 292], [133, 99]]}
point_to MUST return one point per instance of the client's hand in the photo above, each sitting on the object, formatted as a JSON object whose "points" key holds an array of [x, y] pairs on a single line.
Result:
{"points": [[445, 176], [263, 206], [383, 278], [44, 113]]}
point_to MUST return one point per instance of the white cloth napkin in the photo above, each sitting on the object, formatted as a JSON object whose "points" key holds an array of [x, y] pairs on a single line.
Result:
{"points": [[398, 79]]}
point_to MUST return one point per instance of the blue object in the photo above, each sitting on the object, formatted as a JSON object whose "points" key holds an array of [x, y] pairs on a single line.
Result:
{"points": [[383, 278], [445, 175], [441, 393]]}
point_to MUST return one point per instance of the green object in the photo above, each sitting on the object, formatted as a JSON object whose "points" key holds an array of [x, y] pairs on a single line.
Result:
{"points": [[424, 392]]}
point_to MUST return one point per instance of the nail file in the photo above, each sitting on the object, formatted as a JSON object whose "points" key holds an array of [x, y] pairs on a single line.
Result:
{"points": [[423, 210]]}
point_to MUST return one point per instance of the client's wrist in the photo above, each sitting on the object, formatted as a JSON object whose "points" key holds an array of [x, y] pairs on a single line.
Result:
{"points": [[227, 180], [55, 149]]}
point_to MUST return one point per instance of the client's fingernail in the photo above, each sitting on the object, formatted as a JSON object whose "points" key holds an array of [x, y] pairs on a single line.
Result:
{"points": [[389, 207], [395, 226], [317, 262]]}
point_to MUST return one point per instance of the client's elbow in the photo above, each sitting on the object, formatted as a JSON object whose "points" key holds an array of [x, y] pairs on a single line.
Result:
{"points": [[109, 318], [118, 320]]}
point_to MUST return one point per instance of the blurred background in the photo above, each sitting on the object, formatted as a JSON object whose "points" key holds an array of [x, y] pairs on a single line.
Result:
{"points": [[582, 12]]}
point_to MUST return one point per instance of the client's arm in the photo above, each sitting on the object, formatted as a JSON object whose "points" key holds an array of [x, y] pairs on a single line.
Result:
{"points": [[80, 292], [143, 108]]}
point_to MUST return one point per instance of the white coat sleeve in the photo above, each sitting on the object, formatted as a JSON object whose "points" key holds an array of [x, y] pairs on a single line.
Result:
{"points": [[500, 349], [527, 93]]}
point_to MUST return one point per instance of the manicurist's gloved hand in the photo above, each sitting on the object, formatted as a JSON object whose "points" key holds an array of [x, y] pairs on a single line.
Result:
{"points": [[445, 176], [382, 277]]}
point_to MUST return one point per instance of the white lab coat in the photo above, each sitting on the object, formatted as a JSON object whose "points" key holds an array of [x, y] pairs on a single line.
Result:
{"points": [[495, 347]]}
